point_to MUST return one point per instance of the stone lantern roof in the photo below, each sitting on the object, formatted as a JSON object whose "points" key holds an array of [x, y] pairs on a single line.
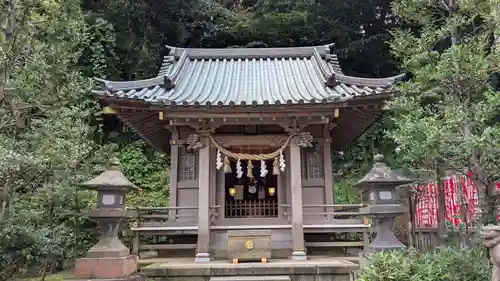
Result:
{"points": [[111, 179], [382, 174]]}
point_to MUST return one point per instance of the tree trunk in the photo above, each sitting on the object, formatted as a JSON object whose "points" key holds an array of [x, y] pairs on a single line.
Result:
{"points": [[8, 32], [413, 202], [442, 206], [490, 203], [44, 269], [465, 213], [4, 207]]}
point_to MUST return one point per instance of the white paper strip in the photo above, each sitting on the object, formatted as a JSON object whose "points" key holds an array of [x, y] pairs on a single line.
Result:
{"points": [[282, 162], [218, 161], [263, 169], [239, 171]]}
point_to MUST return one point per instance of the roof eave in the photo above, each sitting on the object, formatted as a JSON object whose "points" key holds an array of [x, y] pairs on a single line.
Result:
{"points": [[109, 97]]}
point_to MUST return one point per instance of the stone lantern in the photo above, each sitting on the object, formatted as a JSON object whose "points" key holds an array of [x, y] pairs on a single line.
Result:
{"points": [[379, 192], [109, 258]]}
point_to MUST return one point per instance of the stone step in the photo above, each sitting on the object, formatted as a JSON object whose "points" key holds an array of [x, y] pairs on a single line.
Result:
{"points": [[252, 278]]}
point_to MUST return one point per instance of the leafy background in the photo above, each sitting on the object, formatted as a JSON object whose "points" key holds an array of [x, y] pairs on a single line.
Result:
{"points": [[54, 135]]}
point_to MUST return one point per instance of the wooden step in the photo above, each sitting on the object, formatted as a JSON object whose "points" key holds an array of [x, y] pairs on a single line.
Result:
{"points": [[252, 278]]}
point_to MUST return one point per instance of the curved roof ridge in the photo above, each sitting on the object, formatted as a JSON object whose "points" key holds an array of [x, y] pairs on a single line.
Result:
{"points": [[235, 53], [113, 86], [166, 65], [175, 68], [369, 82]]}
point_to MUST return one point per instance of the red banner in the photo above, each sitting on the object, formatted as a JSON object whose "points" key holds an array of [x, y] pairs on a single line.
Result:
{"points": [[461, 205]]}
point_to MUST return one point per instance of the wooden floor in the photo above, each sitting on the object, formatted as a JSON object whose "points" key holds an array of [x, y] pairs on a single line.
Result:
{"points": [[328, 268]]}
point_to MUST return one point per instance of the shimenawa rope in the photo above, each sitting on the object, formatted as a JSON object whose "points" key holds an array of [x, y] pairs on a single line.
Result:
{"points": [[246, 156]]}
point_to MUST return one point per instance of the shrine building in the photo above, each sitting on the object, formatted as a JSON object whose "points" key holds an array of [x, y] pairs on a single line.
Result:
{"points": [[250, 133]]}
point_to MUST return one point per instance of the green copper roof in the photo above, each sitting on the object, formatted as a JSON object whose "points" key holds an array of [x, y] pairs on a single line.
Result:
{"points": [[248, 76]]}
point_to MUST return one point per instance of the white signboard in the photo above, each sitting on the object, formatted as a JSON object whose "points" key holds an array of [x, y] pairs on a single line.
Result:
{"points": [[108, 199]]}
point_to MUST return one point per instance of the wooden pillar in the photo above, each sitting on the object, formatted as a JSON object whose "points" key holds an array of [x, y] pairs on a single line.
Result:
{"points": [[202, 253], [327, 165], [281, 189], [174, 168], [213, 183], [298, 249]]}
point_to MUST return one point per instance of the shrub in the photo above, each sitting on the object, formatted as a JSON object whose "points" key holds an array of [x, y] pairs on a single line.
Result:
{"points": [[444, 264], [149, 170]]}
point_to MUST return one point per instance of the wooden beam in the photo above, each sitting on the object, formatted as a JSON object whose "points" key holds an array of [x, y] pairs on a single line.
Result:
{"points": [[335, 244], [163, 228], [273, 140], [217, 122], [228, 141], [238, 108], [167, 247], [207, 114]]}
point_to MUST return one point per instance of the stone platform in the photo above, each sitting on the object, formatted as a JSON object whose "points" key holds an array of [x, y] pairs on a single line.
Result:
{"points": [[314, 269], [137, 277]]}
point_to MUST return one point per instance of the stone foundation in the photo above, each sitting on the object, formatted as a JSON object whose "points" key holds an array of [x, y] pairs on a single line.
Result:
{"points": [[105, 268], [320, 269], [137, 277]]}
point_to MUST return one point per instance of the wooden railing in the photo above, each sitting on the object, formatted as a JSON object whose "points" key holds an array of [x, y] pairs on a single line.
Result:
{"points": [[346, 217], [162, 216], [158, 221], [251, 209], [344, 211], [332, 211]]}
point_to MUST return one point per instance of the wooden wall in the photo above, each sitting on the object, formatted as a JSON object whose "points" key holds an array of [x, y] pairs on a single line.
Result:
{"points": [[185, 189], [316, 175]]}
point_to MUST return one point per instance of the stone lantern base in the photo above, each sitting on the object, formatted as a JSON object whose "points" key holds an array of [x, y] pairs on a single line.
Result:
{"points": [[106, 268]]}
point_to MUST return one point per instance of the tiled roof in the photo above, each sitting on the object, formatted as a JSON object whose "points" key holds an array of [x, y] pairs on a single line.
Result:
{"points": [[237, 76]]}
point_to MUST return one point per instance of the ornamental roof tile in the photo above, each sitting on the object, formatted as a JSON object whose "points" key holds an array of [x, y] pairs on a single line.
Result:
{"points": [[249, 76]]}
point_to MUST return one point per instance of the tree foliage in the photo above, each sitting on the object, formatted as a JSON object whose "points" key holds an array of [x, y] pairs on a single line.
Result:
{"points": [[149, 170], [444, 264], [447, 116], [53, 136], [46, 140]]}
